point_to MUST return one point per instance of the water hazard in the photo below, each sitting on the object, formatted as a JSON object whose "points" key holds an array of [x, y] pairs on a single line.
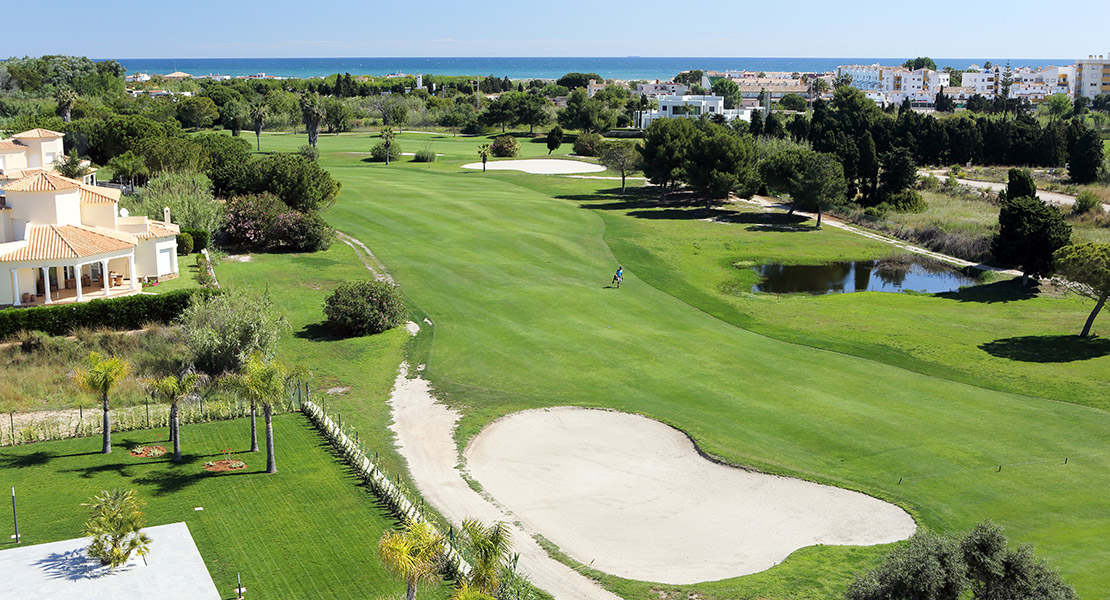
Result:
{"points": [[860, 276]]}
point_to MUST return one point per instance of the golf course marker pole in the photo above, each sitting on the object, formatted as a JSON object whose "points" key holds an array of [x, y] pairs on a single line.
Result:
{"points": [[15, 516]]}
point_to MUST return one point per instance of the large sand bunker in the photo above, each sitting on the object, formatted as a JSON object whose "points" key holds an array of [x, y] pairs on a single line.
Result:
{"points": [[633, 497], [539, 166]]}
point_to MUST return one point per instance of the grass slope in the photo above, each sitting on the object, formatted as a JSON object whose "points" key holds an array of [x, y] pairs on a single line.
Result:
{"points": [[515, 280], [308, 531]]}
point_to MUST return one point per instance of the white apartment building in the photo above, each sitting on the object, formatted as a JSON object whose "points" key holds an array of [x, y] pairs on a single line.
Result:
{"points": [[864, 77], [892, 85], [690, 107], [668, 88], [1092, 76], [1033, 84]]}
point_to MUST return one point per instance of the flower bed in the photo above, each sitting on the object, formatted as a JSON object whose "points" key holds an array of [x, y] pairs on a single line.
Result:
{"points": [[217, 466], [148, 451]]}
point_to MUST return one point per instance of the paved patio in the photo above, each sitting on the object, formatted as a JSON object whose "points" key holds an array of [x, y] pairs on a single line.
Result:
{"points": [[174, 570]]}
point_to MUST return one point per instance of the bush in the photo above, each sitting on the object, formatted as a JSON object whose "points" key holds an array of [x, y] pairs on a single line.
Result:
{"points": [[588, 144], [364, 307], [302, 232], [1087, 201], [128, 312], [200, 238], [309, 151], [264, 222], [424, 156], [223, 330], [907, 201], [377, 153], [504, 146], [297, 181], [184, 243]]}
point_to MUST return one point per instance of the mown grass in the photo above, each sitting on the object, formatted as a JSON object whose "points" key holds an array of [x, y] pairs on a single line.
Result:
{"points": [[513, 269], [308, 531]]}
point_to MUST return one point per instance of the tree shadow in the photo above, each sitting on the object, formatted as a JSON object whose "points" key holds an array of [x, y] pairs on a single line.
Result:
{"points": [[680, 214], [120, 469], [769, 221], [74, 565], [1048, 348], [19, 461], [318, 332], [174, 479], [999, 291]]}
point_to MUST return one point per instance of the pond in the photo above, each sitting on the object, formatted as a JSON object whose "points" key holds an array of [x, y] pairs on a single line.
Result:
{"points": [[861, 276]]}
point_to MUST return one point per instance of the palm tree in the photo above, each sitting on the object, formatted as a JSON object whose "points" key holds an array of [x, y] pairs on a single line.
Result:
{"points": [[483, 153], [100, 376], [464, 591], [259, 112], [175, 389], [72, 166], [65, 98], [387, 139], [490, 548], [264, 382], [312, 111], [116, 527], [413, 555]]}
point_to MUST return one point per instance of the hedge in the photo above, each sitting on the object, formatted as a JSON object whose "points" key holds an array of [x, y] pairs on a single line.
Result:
{"points": [[200, 238], [127, 312]]}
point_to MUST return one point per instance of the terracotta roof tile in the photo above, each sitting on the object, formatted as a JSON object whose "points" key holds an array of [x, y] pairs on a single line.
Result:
{"points": [[13, 174], [156, 229], [92, 194], [43, 181], [11, 146], [38, 134], [54, 242]]}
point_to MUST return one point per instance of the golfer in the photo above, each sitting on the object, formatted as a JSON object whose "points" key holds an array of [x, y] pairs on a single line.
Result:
{"points": [[619, 276]]}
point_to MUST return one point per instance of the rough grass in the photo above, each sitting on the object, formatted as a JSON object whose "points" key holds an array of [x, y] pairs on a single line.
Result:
{"points": [[308, 531], [513, 269]]}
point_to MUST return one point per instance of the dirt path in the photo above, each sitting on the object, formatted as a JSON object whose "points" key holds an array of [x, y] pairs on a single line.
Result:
{"points": [[425, 438], [770, 203], [1054, 198], [367, 257]]}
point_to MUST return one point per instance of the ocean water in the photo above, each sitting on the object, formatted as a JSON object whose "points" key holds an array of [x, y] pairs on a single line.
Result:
{"points": [[628, 68]]}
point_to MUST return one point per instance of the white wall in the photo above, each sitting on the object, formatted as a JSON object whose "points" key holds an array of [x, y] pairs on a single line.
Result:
{"points": [[33, 207], [68, 207], [13, 159], [146, 257], [102, 215]]}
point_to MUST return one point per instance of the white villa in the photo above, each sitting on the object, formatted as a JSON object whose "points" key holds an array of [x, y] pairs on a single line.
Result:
{"points": [[689, 106], [62, 240]]}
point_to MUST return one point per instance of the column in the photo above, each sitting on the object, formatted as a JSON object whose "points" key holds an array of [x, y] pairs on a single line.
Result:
{"points": [[15, 287], [104, 276], [60, 272], [46, 284], [131, 271], [77, 275]]}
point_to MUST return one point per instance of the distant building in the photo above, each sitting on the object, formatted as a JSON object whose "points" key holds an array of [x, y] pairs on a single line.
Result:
{"points": [[1092, 76], [137, 78], [687, 106], [668, 88], [178, 76]]}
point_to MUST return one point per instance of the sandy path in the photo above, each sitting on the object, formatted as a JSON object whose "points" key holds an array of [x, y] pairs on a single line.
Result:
{"points": [[425, 438], [634, 497], [539, 166], [1054, 198]]}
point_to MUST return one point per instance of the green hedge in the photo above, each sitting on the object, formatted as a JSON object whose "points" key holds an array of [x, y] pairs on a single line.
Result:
{"points": [[128, 312], [200, 238]]}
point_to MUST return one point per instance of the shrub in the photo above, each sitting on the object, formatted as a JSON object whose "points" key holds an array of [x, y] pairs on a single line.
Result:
{"points": [[907, 201], [251, 220], [504, 146], [588, 144], [302, 232], [1087, 201], [424, 156], [223, 330], [364, 307], [377, 153], [128, 312], [295, 180], [184, 243], [309, 151], [200, 238]]}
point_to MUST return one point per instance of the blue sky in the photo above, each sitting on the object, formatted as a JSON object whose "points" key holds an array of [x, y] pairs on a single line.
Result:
{"points": [[251, 28]]}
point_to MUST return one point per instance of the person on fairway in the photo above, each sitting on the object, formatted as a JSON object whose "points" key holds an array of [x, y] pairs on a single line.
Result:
{"points": [[619, 276]]}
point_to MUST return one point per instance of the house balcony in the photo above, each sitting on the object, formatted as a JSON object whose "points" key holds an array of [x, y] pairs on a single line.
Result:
{"points": [[118, 286]]}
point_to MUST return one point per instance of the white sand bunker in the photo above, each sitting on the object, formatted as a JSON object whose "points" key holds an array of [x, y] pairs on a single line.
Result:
{"points": [[539, 166], [633, 497]]}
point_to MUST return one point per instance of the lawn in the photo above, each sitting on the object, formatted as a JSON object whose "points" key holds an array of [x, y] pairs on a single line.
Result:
{"points": [[308, 531], [513, 270]]}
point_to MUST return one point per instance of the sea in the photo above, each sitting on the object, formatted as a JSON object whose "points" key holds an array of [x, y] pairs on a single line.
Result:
{"points": [[626, 68]]}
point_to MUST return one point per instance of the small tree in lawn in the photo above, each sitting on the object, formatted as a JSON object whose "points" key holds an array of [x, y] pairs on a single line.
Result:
{"points": [[554, 139], [1089, 266], [100, 376], [264, 382], [364, 307], [312, 112], [259, 112], [1019, 184], [387, 139], [1029, 232], [116, 527], [819, 183], [483, 153], [414, 554], [175, 389], [621, 157]]}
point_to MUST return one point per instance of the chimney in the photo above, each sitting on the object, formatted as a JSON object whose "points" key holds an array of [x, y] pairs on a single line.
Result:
{"points": [[166, 215]]}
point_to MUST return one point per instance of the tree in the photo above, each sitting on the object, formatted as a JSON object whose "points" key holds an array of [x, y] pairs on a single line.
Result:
{"points": [[729, 90], [690, 78], [621, 157], [483, 153], [898, 172], [197, 111], [586, 114], [1089, 266], [234, 116], [299, 182], [928, 567], [414, 554], [818, 184], [262, 382], [175, 389], [387, 139], [793, 102], [223, 331], [489, 546], [921, 62], [755, 126], [1058, 106], [337, 115], [718, 161], [312, 113], [72, 166], [1085, 156], [1030, 231], [227, 158], [259, 112], [364, 307], [533, 110], [100, 376], [116, 527], [65, 98], [1020, 184], [666, 142], [943, 103], [502, 111], [189, 198], [573, 81], [554, 139], [130, 168]]}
